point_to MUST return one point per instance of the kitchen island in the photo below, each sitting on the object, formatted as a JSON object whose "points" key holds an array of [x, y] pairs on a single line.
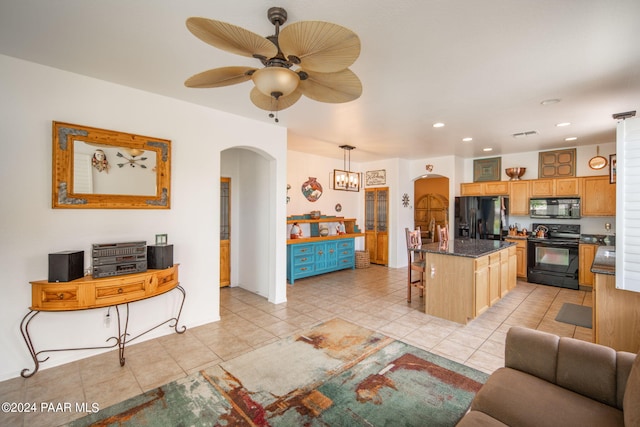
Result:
{"points": [[616, 312], [464, 277]]}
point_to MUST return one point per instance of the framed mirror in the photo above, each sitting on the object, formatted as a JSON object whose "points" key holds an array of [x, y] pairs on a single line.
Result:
{"points": [[103, 169]]}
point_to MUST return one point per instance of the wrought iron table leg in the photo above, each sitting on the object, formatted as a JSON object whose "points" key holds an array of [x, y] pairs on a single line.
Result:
{"points": [[122, 335], [177, 318], [24, 329]]}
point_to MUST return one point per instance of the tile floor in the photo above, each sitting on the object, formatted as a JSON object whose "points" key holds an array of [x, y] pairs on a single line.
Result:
{"points": [[374, 297]]}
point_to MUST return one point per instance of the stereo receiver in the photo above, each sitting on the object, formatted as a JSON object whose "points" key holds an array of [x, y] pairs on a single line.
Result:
{"points": [[114, 259]]}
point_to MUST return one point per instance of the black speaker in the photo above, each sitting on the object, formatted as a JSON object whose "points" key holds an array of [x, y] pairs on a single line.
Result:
{"points": [[66, 266], [159, 256]]}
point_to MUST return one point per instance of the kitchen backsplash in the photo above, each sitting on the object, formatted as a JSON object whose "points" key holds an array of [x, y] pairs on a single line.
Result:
{"points": [[588, 225]]}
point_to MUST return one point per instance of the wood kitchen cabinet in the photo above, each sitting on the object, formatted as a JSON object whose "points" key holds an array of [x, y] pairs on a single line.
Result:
{"points": [[586, 254], [598, 196], [494, 278], [542, 187], [615, 315], [492, 188], [519, 197], [512, 275], [569, 187], [520, 256]]}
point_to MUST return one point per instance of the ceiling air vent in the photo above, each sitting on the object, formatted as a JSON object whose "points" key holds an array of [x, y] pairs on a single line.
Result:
{"points": [[525, 134]]}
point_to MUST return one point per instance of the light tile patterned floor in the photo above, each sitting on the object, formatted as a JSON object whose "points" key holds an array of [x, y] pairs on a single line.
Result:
{"points": [[374, 297]]}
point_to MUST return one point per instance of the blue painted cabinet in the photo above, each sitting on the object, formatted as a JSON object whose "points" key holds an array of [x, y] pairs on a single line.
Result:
{"points": [[312, 258]]}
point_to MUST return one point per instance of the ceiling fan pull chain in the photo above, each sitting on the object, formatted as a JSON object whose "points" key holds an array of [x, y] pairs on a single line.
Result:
{"points": [[274, 108]]}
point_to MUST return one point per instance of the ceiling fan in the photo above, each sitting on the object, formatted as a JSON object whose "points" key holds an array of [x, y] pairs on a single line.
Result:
{"points": [[308, 58]]}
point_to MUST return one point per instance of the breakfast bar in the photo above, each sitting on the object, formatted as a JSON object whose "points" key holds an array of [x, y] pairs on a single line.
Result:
{"points": [[464, 277]]}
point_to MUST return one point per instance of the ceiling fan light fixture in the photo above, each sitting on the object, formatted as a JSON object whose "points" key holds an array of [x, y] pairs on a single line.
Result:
{"points": [[275, 80]]}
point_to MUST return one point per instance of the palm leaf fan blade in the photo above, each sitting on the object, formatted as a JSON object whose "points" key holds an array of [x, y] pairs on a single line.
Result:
{"points": [[269, 103], [218, 77], [321, 46], [335, 88], [231, 38]]}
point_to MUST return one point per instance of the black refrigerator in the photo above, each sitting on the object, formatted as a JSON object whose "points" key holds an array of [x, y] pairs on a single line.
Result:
{"points": [[483, 217]]}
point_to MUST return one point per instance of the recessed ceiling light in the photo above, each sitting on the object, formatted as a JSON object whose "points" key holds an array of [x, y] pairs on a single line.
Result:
{"points": [[563, 124], [550, 101], [467, 139], [438, 125], [487, 149], [571, 138]]}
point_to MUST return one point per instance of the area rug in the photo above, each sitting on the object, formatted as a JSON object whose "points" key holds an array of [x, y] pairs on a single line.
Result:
{"points": [[334, 374], [579, 315]]}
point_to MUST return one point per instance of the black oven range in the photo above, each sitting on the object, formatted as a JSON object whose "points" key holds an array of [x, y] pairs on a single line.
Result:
{"points": [[552, 255]]}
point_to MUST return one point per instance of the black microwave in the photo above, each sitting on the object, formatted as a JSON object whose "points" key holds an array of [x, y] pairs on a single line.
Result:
{"points": [[557, 208]]}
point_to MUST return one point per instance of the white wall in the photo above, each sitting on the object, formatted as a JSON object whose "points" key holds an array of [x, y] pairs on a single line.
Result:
{"points": [[32, 97], [529, 160]]}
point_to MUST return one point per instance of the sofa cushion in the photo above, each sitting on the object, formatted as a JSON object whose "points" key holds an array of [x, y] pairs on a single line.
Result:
{"points": [[588, 369], [519, 399], [532, 351], [631, 403], [479, 419]]}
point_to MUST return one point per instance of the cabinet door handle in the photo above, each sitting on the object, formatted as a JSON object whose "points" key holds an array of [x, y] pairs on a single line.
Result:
{"points": [[303, 259], [320, 253], [303, 269], [60, 296], [120, 290], [331, 251]]}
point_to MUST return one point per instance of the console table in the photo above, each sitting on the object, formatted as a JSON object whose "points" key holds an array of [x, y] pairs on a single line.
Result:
{"points": [[89, 293]]}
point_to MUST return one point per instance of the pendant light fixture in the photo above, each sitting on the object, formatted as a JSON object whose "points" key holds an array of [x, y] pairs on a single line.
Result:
{"points": [[345, 180]]}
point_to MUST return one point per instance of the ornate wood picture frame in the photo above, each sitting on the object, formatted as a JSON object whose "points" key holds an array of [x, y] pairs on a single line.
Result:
{"points": [[118, 158]]}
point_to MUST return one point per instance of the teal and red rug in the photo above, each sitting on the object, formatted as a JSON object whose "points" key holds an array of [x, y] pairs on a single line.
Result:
{"points": [[335, 374]]}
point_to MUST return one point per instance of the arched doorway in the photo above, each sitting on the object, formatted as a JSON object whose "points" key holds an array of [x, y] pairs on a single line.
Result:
{"points": [[252, 256], [431, 208]]}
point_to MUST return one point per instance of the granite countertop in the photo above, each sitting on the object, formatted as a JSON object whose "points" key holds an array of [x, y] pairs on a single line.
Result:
{"points": [[598, 239], [471, 248], [604, 261]]}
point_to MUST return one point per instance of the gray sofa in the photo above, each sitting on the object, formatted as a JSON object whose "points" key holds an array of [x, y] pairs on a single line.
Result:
{"points": [[552, 381]]}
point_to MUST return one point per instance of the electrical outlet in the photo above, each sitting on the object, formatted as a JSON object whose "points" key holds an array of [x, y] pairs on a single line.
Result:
{"points": [[107, 320]]}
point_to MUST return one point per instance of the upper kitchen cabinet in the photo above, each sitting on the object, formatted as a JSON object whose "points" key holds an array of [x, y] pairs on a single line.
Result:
{"points": [[519, 197], [551, 187], [568, 186], [598, 196], [491, 188]]}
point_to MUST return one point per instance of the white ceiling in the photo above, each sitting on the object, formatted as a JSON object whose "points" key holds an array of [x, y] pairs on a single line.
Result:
{"points": [[480, 67]]}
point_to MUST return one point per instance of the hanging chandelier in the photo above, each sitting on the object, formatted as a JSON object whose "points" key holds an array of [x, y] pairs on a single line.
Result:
{"points": [[345, 180]]}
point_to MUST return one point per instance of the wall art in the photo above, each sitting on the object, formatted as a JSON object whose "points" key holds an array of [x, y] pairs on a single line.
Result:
{"points": [[311, 189], [378, 177], [557, 163], [487, 169]]}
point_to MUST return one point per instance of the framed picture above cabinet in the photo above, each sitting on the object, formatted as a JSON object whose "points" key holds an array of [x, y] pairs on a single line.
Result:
{"points": [[557, 163], [487, 169]]}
